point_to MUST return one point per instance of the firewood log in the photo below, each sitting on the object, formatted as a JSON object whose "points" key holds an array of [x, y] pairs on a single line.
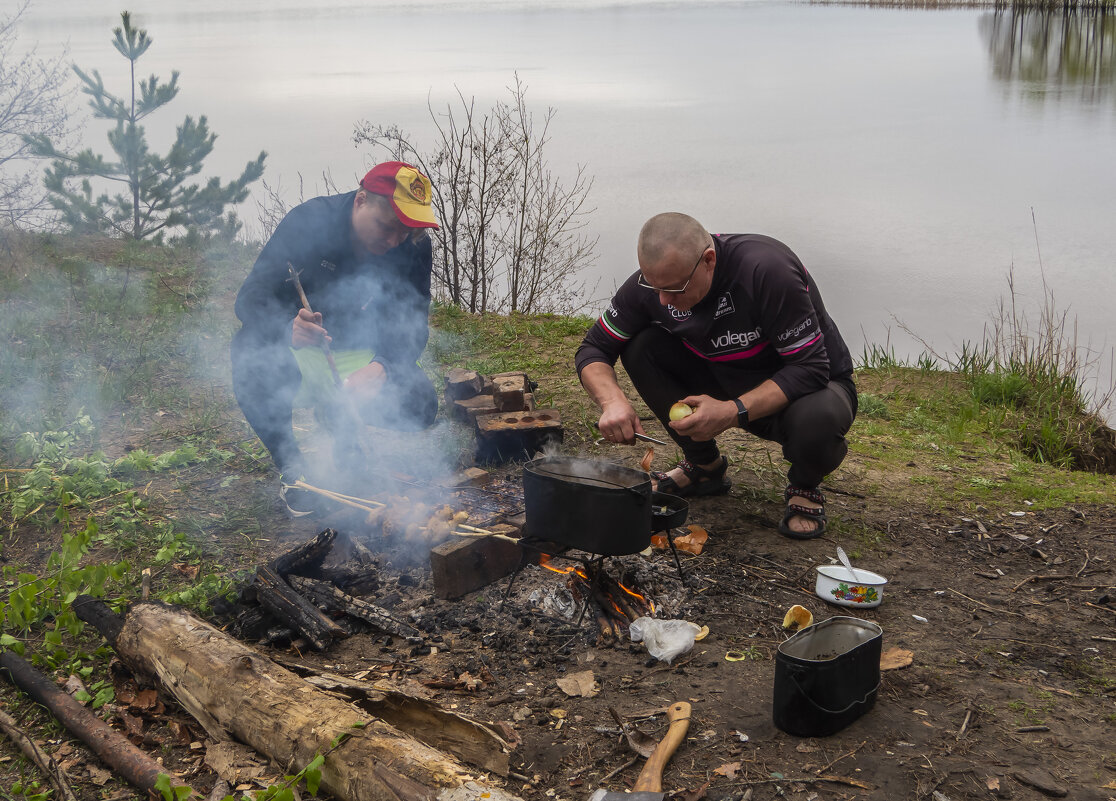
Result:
{"points": [[236, 692]]}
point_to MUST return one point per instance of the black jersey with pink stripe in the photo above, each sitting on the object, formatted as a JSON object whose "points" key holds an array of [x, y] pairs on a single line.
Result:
{"points": [[763, 315]]}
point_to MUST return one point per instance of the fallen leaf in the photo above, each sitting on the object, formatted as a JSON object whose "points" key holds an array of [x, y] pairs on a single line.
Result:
{"points": [[179, 731], [132, 724], [992, 783], [74, 685], [68, 765], [145, 699], [189, 571], [694, 795], [896, 658], [99, 776], [728, 770], [581, 684], [233, 762]]}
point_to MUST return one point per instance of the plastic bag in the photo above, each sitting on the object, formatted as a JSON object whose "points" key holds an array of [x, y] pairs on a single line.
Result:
{"points": [[665, 639]]}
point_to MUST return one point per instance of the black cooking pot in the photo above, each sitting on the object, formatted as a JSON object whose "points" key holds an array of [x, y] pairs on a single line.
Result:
{"points": [[593, 506]]}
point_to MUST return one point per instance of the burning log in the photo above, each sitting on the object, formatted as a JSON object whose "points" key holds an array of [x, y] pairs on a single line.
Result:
{"points": [[280, 599], [235, 692], [331, 597]]}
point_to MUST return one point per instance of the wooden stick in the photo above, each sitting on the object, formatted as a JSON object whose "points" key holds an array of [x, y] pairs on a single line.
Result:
{"points": [[986, 606], [112, 747], [348, 500], [306, 305], [42, 760], [1039, 578]]}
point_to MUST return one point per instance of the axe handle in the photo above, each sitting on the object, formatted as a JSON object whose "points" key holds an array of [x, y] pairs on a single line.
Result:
{"points": [[651, 777]]}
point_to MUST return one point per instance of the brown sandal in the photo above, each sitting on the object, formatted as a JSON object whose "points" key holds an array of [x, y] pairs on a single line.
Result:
{"points": [[702, 481], [798, 510]]}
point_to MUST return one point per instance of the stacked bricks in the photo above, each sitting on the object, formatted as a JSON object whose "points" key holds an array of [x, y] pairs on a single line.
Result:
{"points": [[502, 408]]}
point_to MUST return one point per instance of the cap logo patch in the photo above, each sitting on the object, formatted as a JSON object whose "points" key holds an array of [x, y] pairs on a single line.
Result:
{"points": [[418, 190]]}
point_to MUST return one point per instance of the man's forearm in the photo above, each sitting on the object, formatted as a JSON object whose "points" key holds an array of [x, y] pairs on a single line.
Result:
{"points": [[599, 380], [764, 399]]}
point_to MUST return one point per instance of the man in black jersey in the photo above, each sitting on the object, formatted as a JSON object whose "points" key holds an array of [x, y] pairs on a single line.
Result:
{"points": [[733, 326]]}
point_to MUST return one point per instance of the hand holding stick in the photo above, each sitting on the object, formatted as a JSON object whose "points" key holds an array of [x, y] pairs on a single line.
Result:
{"points": [[349, 415], [306, 305]]}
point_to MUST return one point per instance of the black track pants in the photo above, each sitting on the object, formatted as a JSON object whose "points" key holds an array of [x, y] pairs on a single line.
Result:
{"points": [[811, 429]]}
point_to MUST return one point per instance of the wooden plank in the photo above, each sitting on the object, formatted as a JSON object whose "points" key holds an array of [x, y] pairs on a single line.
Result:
{"points": [[461, 566]]}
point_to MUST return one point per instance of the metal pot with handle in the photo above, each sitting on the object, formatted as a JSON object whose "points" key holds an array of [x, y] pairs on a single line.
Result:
{"points": [[594, 506]]}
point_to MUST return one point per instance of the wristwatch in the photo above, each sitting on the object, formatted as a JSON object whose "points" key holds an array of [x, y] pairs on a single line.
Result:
{"points": [[741, 413]]}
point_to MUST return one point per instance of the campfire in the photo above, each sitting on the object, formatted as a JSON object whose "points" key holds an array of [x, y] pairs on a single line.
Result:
{"points": [[616, 605]]}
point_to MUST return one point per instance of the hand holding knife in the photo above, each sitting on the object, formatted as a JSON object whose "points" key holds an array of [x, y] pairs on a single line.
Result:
{"points": [[637, 435]]}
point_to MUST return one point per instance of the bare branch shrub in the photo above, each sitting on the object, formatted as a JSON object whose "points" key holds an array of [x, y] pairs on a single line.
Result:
{"points": [[512, 236], [271, 210], [34, 94]]}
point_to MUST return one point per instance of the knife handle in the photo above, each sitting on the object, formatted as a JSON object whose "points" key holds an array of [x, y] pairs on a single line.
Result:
{"points": [[651, 777]]}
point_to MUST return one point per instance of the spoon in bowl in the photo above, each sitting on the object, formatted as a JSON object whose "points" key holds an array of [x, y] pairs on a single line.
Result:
{"points": [[845, 561]]}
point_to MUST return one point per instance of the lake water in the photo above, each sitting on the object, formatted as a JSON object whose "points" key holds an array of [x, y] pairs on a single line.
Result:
{"points": [[911, 157]]}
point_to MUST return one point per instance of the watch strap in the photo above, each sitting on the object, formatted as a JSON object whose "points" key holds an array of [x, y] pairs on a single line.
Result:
{"points": [[741, 413]]}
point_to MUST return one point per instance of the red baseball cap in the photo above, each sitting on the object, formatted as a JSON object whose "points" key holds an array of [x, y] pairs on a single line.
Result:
{"points": [[408, 190]]}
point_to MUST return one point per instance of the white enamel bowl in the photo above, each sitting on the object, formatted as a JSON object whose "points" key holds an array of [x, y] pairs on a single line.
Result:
{"points": [[837, 585]]}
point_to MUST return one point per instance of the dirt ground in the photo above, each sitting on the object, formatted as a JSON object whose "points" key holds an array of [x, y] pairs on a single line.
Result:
{"points": [[1011, 692], [1010, 617]]}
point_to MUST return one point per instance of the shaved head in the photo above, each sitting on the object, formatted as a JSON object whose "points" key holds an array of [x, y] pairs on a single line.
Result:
{"points": [[669, 233]]}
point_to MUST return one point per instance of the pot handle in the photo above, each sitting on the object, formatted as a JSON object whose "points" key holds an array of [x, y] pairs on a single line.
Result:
{"points": [[612, 484], [820, 708]]}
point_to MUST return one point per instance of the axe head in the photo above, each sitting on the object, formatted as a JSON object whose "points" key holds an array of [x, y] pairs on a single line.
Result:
{"points": [[617, 795]]}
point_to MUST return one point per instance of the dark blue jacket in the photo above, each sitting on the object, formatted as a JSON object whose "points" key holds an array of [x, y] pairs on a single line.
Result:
{"points": [[376, 302]]}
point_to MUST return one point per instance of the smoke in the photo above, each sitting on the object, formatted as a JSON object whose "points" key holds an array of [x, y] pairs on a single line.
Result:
{"points": [[77, 338]]}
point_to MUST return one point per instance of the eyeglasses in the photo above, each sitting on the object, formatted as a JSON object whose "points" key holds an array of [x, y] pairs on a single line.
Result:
{"points": [[689, 278]]}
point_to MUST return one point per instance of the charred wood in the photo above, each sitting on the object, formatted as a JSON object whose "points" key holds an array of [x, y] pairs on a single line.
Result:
{"points": [[253, 623], [306, 555], [112, 747], [281, 600], [332, 598]]}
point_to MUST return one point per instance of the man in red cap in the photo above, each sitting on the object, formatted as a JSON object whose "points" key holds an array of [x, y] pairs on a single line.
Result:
{"points": [[363, 259]]}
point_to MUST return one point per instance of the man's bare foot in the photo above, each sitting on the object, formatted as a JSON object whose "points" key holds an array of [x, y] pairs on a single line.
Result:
{"points": [[804, 517], [803, 524]]}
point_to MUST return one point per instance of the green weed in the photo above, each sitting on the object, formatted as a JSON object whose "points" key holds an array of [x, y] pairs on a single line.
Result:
{"points": [[872, 406]]}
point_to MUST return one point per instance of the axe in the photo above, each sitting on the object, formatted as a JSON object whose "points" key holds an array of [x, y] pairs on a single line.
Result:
{"points": [[649, 785]]}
